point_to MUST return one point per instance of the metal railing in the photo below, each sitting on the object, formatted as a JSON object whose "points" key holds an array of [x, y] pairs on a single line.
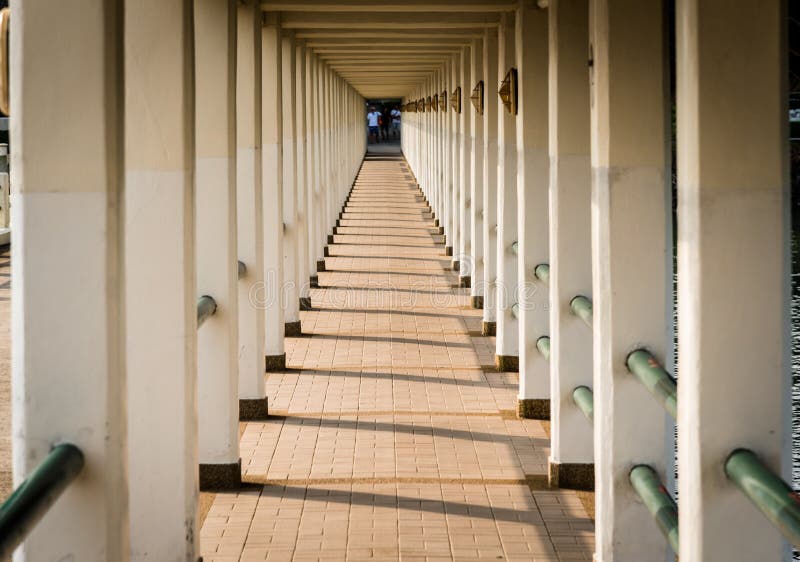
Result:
{"points": [[584, 399], [657, 380], [242, 269], [582, 308], [34, 497], [658, 502], [206, 307], [542, 272], [767, 491], [515, 310], [543, 345]]}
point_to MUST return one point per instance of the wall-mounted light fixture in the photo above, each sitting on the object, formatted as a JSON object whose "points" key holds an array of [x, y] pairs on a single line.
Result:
{"points": [[435, 102], [508, 91], [477, 97], [421, 105], [428, 103], [455, 100], [443, 101]]}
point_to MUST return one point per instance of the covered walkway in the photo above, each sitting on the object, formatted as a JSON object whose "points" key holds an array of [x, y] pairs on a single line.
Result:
{"points": [[393, 437]]}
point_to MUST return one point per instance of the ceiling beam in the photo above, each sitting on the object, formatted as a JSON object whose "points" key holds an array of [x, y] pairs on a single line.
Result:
{"points": [[401, 6], [381, 21]]}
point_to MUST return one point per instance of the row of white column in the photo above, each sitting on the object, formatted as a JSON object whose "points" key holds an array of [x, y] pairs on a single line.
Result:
{"points": [[155, 145], [580, 178]]}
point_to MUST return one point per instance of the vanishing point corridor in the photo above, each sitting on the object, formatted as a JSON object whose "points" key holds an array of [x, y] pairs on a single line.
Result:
{"points": [[390, 435]]}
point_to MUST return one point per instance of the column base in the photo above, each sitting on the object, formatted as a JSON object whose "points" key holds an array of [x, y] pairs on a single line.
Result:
{"points": [[533, 408], [274, 363], [326, 253], [292, 329], [574, 476], [221, 476], [341, 215], [252, 409], [436, 221], [334, 230], [507, 363], [330, 238], [320, 265], [448, 250], [465, 282], [313, 282], [477, 302], [456, 265], [489, 329], [441, 229], [305, 303]]}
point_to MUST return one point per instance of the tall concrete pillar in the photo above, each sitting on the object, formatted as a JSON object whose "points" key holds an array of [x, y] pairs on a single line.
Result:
{"points": [[68, 374], [632, 276], [301, 185], [161, 338], [490, 116], [249, 211], [270, 297], [507, 352], [571, 434], [531, 210], [453, 151], [314, 248], [290, 293], [216, 251], [476, 210], [464, 263], [734, 270]]}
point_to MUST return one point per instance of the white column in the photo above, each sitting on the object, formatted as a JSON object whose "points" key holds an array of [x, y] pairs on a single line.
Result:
{"points": [[68, 379], [454, 154], [734, 270], [476, 174], [533, 178], [290, 294], [507, 353], [463, 260], [571, 434], [249, 211], [314, 248], [215, 181], [490, 109], [161, 337], [632, 281], [302, 180], [272, 179]]}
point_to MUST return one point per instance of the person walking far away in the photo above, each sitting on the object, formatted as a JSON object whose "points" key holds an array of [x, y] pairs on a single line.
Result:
{"points": [[373, 118], [396, 122], [386, 119]]}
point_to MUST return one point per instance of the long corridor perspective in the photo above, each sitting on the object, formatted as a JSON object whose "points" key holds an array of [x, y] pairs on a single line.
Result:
{"points": [[391, 436]]}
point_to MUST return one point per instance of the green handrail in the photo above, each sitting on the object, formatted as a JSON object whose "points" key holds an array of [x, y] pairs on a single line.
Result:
{"points": [[768, 492], [543, 345], [658, 502], [584, 399], [515, 310], [542, 272], [582, 308], [242, 269], [206, 306], [657, 380], [515, 248], [40, 490]]}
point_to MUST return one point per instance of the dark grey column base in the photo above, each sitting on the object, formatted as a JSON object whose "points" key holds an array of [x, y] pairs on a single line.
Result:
{"points": [[252, 409], [341, 215], [574, 476], [221, 476], [456, 265], [489, 329], [326, 253], [313, 282], [448, 250], [507, 363], [337, 223], [435, 220], [335, 230], [441, 230], [465, 282], [275, 363], [477, 302], [321, 265], [330, 238], [533, 408], [292, 329], [305, 303]]}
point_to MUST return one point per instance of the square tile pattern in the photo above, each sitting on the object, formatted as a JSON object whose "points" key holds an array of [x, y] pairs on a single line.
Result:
{"points": [[389, 440]]}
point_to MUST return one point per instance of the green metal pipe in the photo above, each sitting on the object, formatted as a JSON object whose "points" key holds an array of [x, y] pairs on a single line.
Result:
{"points": [[653, 376], [206, 306], [40, 490], [515, 310], [658, 502], [584, 399], [515, 248], [543, 345], [542, 272], [768, 492], [242, 269], [582, 308]]}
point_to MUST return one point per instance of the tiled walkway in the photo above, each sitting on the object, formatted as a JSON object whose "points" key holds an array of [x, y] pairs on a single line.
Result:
{"points": [[389, 440]]}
